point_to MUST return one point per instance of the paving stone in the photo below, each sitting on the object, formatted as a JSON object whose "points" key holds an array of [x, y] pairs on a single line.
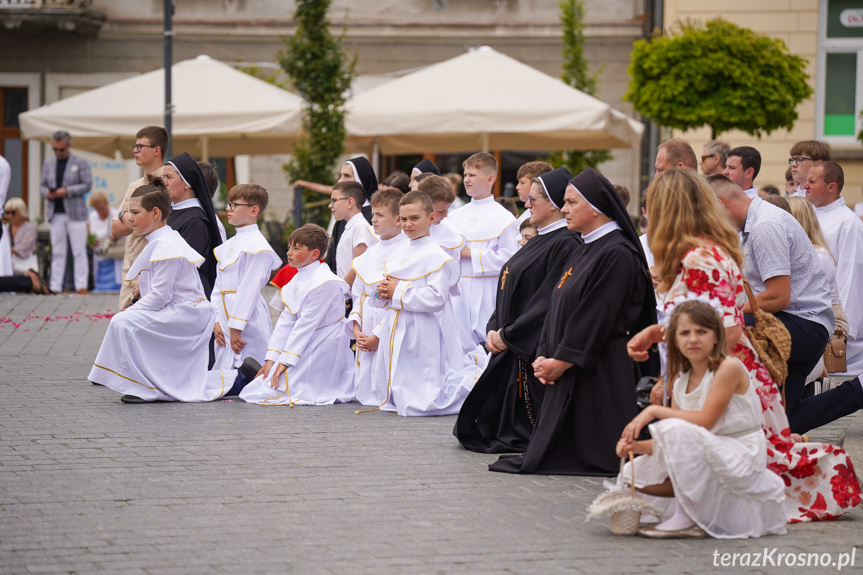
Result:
{"points": [[91, 485]]}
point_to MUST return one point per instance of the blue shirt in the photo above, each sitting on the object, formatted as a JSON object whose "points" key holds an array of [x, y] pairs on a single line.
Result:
{"points": [[774, 244]]}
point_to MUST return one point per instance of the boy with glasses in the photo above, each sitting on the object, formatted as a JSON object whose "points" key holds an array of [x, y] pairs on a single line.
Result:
{"points": [[346, 203], [149, 149], [244, 265], [804, 154]]}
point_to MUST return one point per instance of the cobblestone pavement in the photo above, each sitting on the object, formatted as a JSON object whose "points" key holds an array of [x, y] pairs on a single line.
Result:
{"points": [[88, 484]]}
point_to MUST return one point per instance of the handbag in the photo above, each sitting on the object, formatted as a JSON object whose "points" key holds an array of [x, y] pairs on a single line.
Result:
{"points": [[834, 356], [771, 341], [112, 249]]}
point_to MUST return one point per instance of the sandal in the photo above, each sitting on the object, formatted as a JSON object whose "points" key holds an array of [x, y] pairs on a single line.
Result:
{"points": [[38, 286]]}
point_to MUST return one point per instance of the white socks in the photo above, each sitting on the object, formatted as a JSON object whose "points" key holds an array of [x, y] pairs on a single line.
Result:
{"points": [[680, 520]]}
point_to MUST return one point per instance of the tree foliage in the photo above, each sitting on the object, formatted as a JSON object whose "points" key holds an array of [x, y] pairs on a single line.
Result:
{"points": [[576, 74], [321, 72], [720, 75]]}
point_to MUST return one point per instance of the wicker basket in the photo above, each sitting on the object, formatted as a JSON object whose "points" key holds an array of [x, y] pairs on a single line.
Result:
{"points": [[626, 521]]}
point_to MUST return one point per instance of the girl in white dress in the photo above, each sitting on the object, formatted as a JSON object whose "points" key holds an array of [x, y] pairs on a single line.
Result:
{"points": [[708, 451]]}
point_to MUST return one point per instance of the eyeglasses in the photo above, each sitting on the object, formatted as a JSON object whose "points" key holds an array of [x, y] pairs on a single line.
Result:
{"points": [[334, 200], [533, 199], [798, 160], [11, 212], [137, 147], [60, 149], [708, 156], [233, 205]]}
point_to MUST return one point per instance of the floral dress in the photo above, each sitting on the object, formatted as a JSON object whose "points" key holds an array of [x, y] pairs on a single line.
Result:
{"points": [[820, 482]]}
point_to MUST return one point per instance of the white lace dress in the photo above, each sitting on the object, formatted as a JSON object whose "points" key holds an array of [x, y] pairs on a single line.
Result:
{"points": [[720, 476]]}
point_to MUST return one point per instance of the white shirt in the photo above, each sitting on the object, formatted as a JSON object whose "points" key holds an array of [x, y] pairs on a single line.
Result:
{"points": [[357, 232], [601, 231], [843, 231], [751, 192], [190, 203]]}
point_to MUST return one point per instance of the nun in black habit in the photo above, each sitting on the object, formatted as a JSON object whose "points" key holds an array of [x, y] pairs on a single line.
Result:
{"points": [[425, 166], [603, 296], [195, 218], [499, 413], [359, 170]]}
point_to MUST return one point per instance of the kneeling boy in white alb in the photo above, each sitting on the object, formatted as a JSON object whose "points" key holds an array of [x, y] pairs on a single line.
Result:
{"points": [[428, 372], [243, 267], [308, 359], [157, 348], [367, 313]]}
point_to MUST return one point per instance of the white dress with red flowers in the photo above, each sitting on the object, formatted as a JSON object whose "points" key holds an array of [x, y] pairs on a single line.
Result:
{"points": [[820, 482]]}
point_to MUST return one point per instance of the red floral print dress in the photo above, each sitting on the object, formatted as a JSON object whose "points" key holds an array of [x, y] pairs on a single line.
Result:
{"points": [[820, 482]]}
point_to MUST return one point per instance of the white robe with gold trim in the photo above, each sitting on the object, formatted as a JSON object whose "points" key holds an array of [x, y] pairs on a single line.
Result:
{"points": [[243, 267], [491, 232], [310, 339], [427, 367], [157, 348], [368, 313]]}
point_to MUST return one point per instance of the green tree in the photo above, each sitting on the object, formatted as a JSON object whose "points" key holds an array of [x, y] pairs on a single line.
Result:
{"points": [[321, 72], [717, 74], [576, 74]]}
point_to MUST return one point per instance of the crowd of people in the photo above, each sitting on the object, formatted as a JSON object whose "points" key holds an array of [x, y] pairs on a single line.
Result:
{"points": [[533, 329]]}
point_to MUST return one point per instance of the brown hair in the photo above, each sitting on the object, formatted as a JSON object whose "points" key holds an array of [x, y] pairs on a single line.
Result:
{"points": [[788, 175], [679, 151], [701, 314], [481, 161], [777, 201], [251, 193], [420, 198], [157, 135], [97, 198], [527, 224], [211, 176], [438, 189], [623, 192], [533, 170], [509, 204], [353, 190], [683, 212], [398, 180], [311, 236], [814, 149], [832, 174], [151, 196], [389, 198]]}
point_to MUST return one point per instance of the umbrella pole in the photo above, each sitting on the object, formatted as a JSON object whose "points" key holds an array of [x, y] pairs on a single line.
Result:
{"points": [[168, 35]]}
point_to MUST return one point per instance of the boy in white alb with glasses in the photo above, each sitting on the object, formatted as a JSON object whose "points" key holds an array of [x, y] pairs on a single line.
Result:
{"points": [[244, 265]]}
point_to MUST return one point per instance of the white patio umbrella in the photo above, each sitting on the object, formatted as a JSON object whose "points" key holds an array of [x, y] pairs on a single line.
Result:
{"points": [[218, 111], [484, 100]]}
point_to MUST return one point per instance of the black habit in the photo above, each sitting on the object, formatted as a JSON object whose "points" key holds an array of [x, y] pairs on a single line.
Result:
{"points": [[603, 297], [192, 224], [497, 414], [197, 225]]}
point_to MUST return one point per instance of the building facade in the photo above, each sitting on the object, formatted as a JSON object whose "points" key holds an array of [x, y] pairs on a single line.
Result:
{"points": [[53, 49], [829, 34]]}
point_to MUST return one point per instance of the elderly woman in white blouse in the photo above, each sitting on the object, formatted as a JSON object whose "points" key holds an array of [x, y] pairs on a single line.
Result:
{"points": [[22, 237]]}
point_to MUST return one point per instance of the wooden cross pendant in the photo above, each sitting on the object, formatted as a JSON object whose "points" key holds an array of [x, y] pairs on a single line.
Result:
{"points": [[564, 278], [503, 278]]}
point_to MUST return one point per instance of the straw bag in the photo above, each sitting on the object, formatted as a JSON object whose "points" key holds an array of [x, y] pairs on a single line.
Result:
{"points": [[771, 340], [623, 506], [834, 356]]}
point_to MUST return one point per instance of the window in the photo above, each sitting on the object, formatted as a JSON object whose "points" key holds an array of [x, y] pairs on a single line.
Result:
{"points": [[839, 98]]}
